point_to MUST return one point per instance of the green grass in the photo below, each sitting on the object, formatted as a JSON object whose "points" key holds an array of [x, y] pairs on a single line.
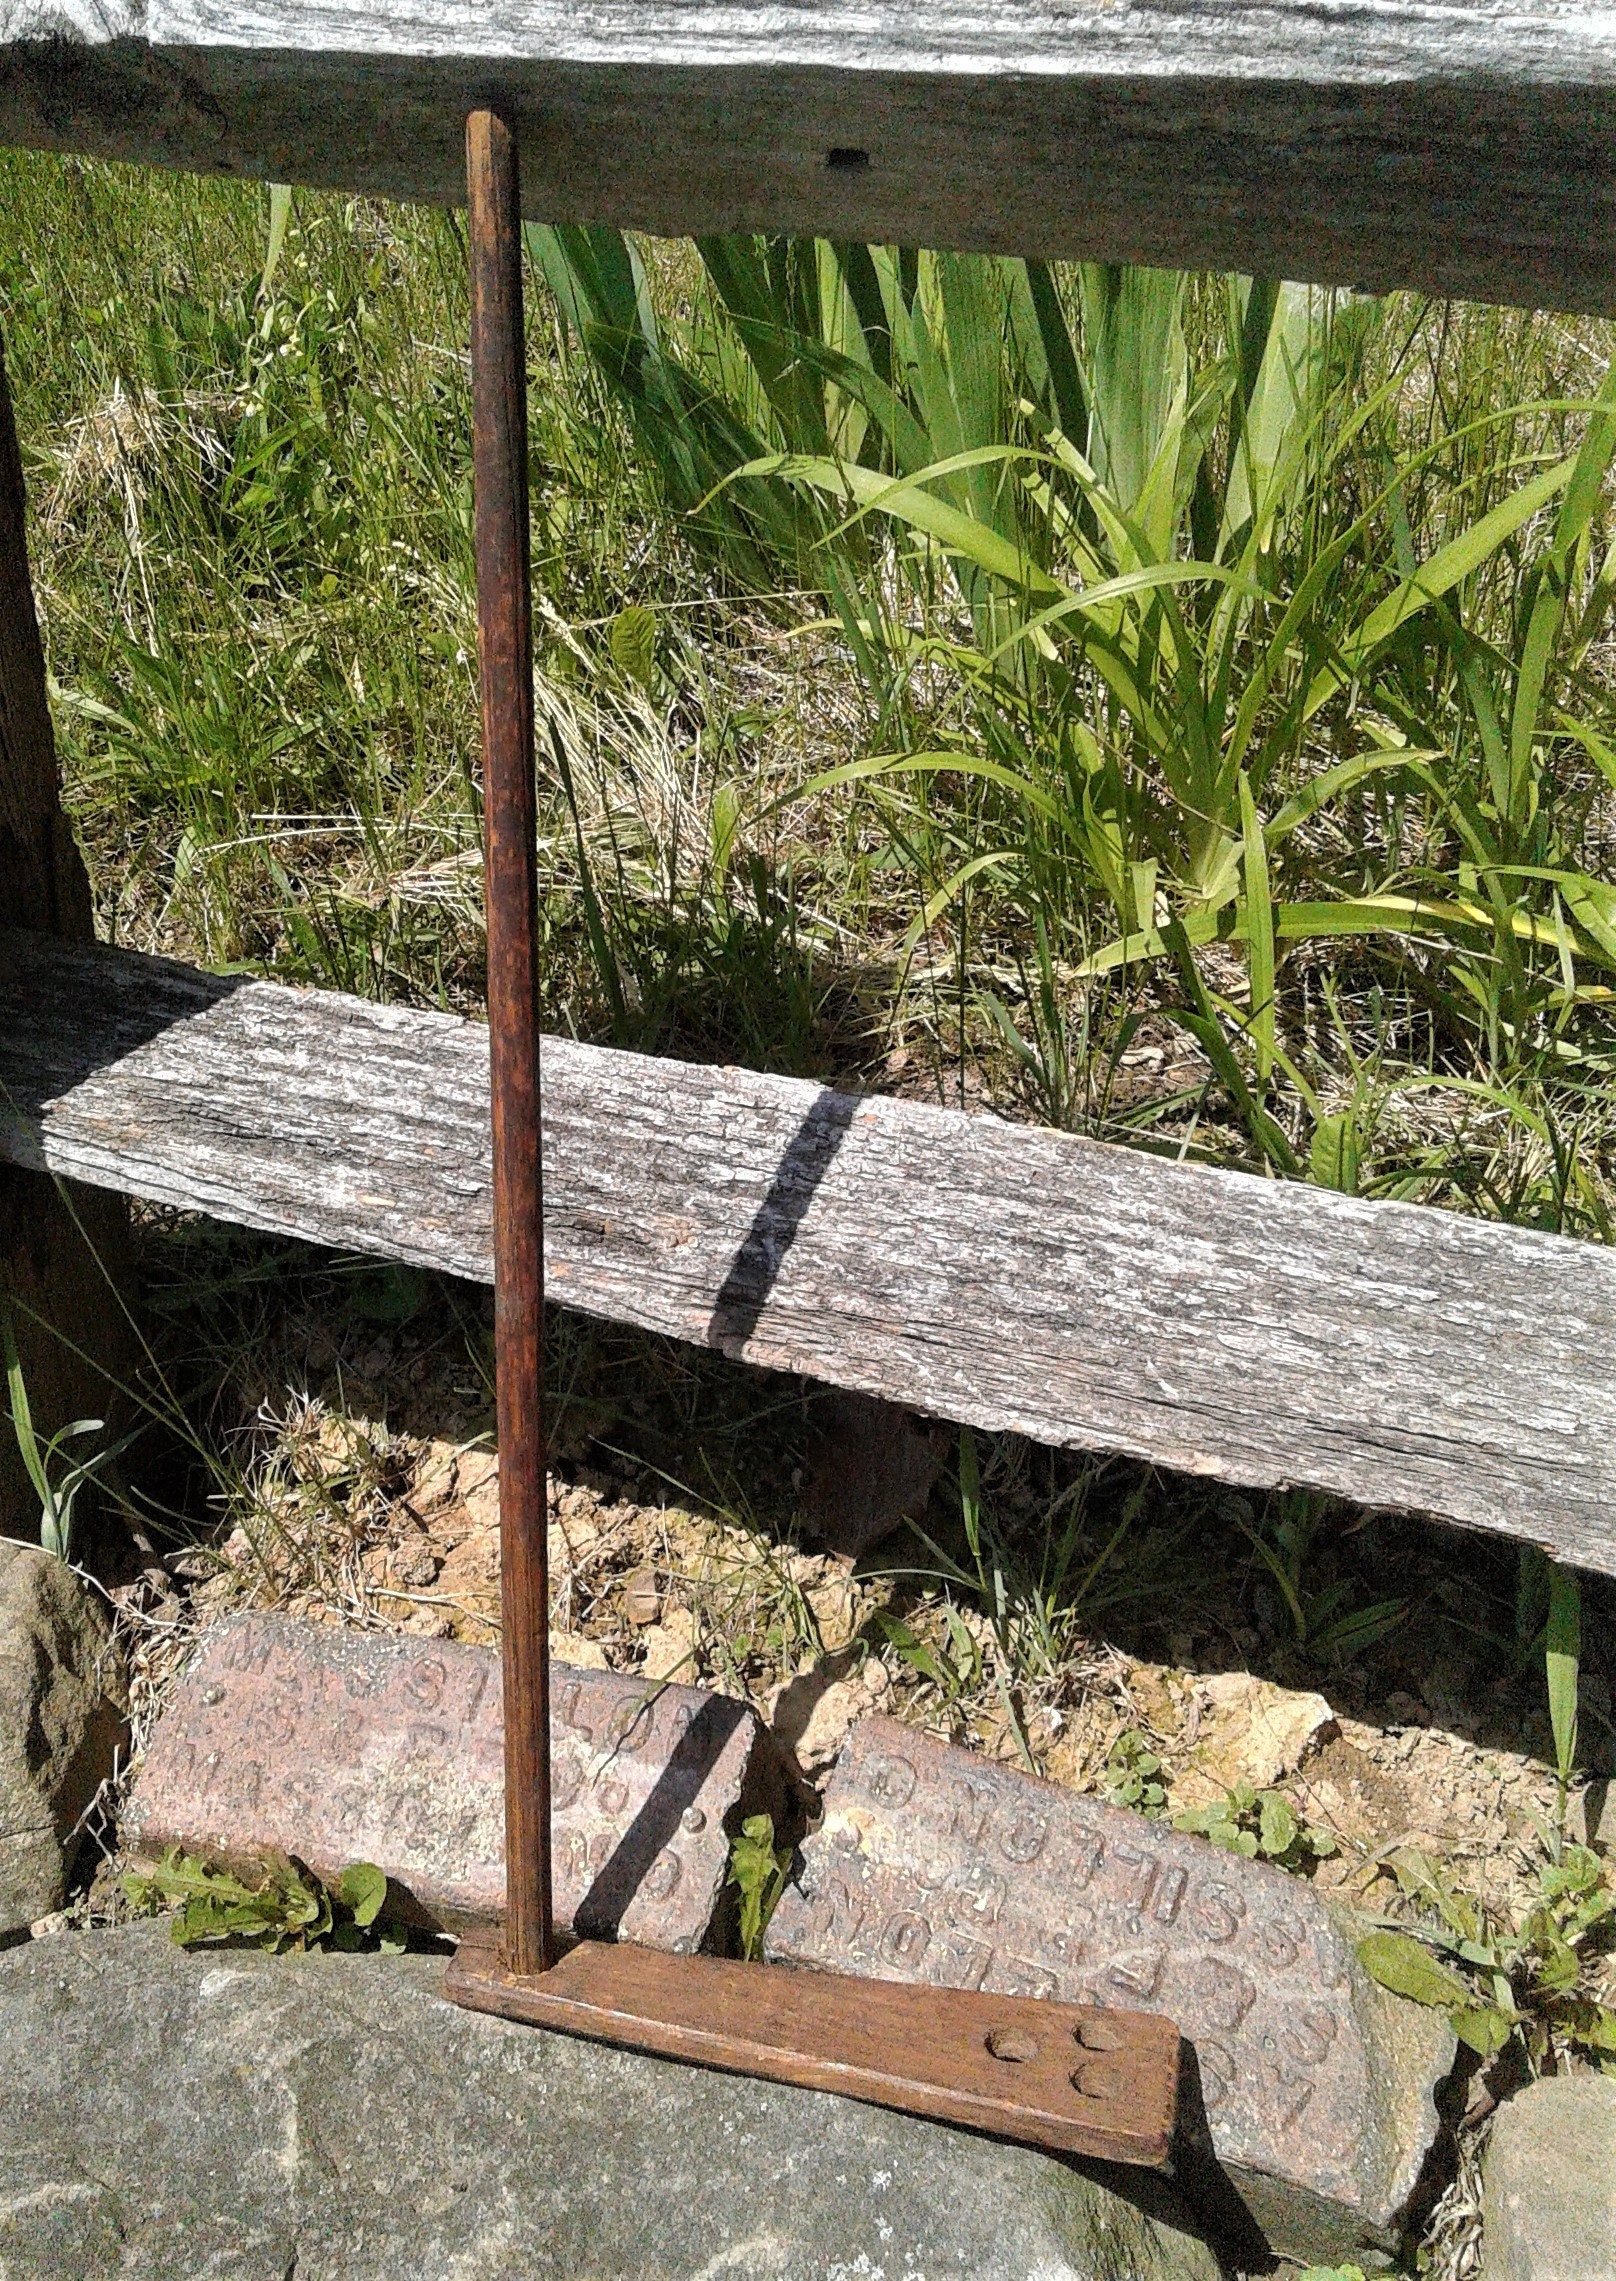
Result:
{"points": [[251, 536], [955, 673], [1224, 636]]}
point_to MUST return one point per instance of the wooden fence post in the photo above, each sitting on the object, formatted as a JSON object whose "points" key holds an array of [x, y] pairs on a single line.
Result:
{"points": [[63, 1257]]}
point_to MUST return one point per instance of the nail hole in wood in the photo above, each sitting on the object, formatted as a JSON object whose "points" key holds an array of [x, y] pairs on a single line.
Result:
{"points": [[1013, 2043]]}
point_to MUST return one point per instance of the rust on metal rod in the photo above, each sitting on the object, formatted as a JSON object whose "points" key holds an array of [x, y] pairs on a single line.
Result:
{"points": [[505, 657]]}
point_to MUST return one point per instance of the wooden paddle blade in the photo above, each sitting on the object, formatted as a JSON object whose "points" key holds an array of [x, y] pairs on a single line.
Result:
{"points": [[1068, 2077]]}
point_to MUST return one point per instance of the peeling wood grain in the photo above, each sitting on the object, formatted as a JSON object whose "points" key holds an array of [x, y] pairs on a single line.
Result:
{"points": [[1458, 148], [1082, 1294]]}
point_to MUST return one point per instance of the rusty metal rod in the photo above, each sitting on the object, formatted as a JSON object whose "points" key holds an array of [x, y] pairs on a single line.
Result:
{"points": [[505, 658]]}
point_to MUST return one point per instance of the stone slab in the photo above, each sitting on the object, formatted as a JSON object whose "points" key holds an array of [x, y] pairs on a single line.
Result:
{"points": [[61, 1723], [1550, 2201], [932, 1864], [340, 1746], [166, 2115]]}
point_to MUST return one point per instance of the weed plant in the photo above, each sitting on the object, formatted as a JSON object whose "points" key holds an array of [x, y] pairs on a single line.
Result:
{"points": [[274, 1904]]}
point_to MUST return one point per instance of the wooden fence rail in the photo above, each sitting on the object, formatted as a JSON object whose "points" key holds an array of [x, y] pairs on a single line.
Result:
{"points": [[1459, 148], [1256, 1330]]}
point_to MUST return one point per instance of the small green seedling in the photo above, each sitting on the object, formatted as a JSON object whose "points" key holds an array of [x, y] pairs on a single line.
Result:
{"points": [[1134, 1776], [952, 1670], [1495, 1983], [56, 1477], [1562, 1663], [1258, 1824], [757, 1869]]}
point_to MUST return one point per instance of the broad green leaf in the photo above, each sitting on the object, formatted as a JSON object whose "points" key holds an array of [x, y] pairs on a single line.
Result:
{"points": [[1319, 790], [1592, 2025], [907, 502], [726, 824], [770, 288], [1283, 338], [1065, 380], [22, 1419], [280, 213], [1134, 337], [1333, 1154], [1581, 502], [1204, 1026], [913, 1649], [633, 644], [1593, 905], [970, 1492], [908, 440], [928, 764], [973, 307], [1353, 915], [1407, 1969], [967, 1655], [595, 275], [1259, 932], [863, 283], [1096, 600], [757, 1869], [1279, 1827], [362, 1890], [1483, 2027]]}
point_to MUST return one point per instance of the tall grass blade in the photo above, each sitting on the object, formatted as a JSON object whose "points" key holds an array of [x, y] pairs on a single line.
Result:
{"points": [[1259, 932], [1562, 1661], [280, 213]]}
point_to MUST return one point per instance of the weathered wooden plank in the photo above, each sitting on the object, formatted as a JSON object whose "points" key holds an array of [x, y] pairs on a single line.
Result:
{"points": [[1083, 1294], [1024, 2069], [1464, 149]]}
